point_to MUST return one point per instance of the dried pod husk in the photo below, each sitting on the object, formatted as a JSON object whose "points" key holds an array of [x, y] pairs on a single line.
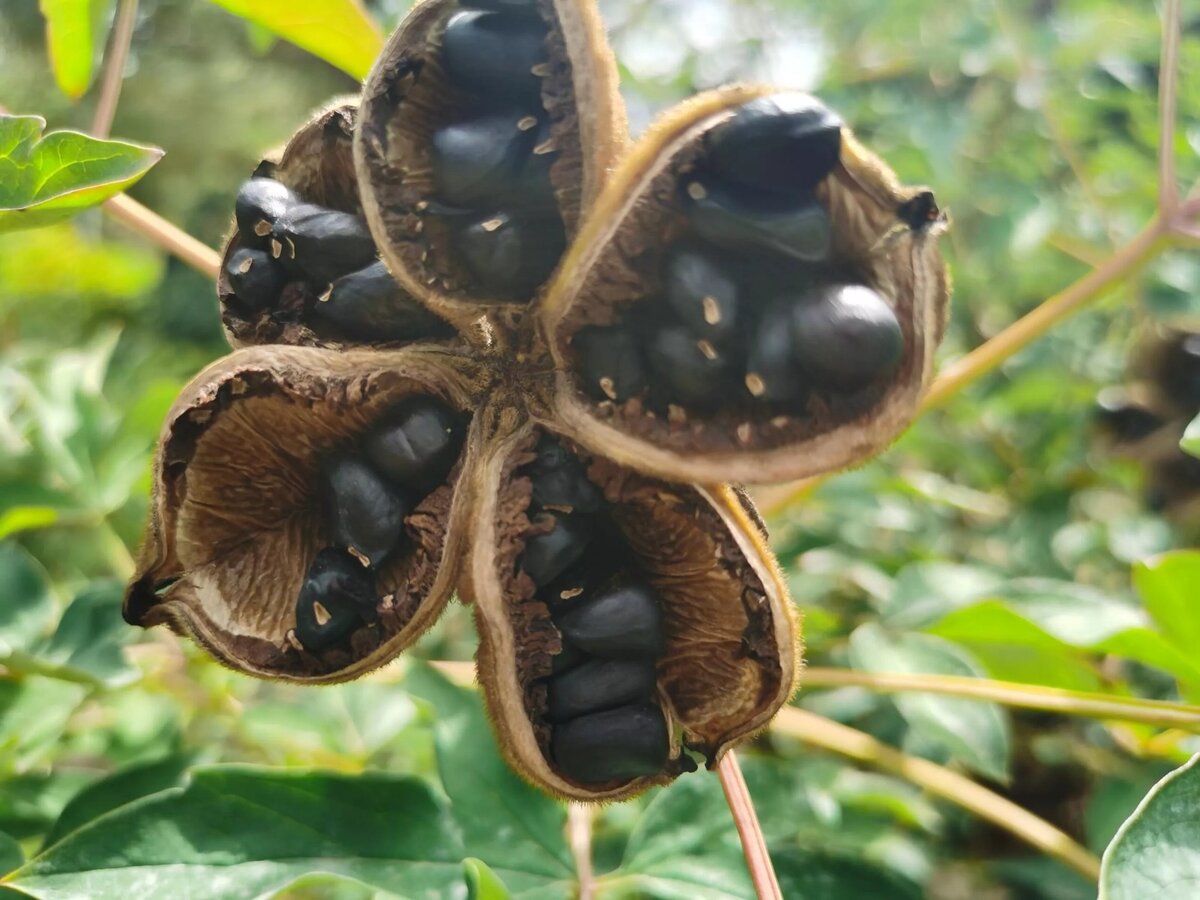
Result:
{"points": [[775, 427], [461, 260], [237, 518], [265, 298], [731, 650]]}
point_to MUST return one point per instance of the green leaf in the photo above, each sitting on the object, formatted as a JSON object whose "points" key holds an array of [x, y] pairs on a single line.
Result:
{"points": [[482, 882], [242, 831], [11, 855], [88, 644], [973, 731], [26, 518], [805, 875], [323, 886], [1170, 588], [1156, 853], [26, 608], [33, 716], [44, 179], [74, 38], [338, 31], [1191, 438]]}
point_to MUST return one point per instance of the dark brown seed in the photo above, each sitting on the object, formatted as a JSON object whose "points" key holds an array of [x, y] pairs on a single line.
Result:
{"points": [[323, 244], [259, 203], [741, 219], [488, 161], [255, 277], [691, 371], [416, 444], [548, 555], [363, 512], [621, 621], [846, 336], [512, 254], [782, 143], [610, 363], [702, 293], [368, 305], [614, 745], [345, 592], [601, 684], [494, 53]]}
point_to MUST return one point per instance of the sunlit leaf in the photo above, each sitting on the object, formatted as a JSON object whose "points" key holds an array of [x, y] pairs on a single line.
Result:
{"points": [[338, 31], [1191, 438], [74, 38], [44, 179], [1170, 587], [26, 608], [482, 882]]}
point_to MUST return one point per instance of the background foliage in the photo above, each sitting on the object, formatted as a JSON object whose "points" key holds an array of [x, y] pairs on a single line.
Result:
{"points": [[994, 540]]}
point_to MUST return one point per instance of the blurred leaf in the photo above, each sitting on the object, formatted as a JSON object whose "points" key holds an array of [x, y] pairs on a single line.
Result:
{"points": [[1113, 799], [117, 790], [33, 715], [1156, 853], [482, 882], [1043, 878], [26, 608], [26, 518], [1170, 589], [975, 732], [338, 31], [74, 38], [11, 855], [323, 886], [804, 875], [241, 831], [87, 645], [1191, 438], [924, 592], [47, 178]]}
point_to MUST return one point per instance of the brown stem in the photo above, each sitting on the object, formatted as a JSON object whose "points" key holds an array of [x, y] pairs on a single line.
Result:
{"points": [[579, 837], [754, 846], [1168, 85], [114, 68]]}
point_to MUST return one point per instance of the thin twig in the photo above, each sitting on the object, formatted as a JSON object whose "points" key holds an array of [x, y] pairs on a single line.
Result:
{"points": [[821, 732], [1168, 85], [579, 837], [754, 845], [1023, 696], [170, 237], [114, 68]]}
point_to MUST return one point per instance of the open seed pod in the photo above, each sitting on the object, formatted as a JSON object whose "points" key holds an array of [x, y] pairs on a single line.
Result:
{"points": [[300, 266], [754, 297], [487, 129]]}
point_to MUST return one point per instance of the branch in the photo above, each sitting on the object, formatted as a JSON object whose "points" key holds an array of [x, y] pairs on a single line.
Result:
{"points": [[1168, 86], [821, 732], [579, 837], [169, 237], [114, 68], [754, 846]]}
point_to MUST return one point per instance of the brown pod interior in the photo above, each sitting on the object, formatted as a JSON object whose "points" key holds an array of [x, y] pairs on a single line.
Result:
{"points": [[236, 517], [731, 649], [615, 271], [409, 95]]}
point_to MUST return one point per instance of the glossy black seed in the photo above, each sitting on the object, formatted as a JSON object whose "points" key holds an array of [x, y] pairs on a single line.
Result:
{"points": [[368, 305], [323, 244], [346, 594], [771, 371], [567, 659], [690, 371], [560, 480], [490, 160], [254, 277], [614, 745], [610, 363], [600, 684], [782, 143], [702, 293], [525, 7], [846, 336], [548, 555], [620, 621], [416, 444], [364, 513], [736, 218], [259, 203], [512, 254], [1125, 420], [494, 54]]}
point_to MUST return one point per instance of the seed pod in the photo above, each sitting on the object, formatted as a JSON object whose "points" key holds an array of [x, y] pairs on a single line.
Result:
{"points": [[601, 684], [616, 745], [254, 277], [417, 444], [846, 335], [364, 513], [337, 597], [259, 203], [702, 293], [368, 305]]}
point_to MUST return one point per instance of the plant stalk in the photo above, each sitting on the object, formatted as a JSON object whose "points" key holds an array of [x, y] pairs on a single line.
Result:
{"points": [[114, 68], [745, 818]]}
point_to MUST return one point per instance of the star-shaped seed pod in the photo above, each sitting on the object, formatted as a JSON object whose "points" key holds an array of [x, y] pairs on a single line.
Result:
{"points": [[488, 346]]}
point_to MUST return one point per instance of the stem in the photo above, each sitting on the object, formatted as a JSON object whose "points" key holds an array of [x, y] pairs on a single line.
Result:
{"points": [[1168, 84], [579, 837], [821, 732], [754, 846], [170, 237], [1023, 696], [114, 68]]}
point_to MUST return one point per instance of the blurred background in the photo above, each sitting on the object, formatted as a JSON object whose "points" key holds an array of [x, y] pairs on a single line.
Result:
{"points": [[1000, 537]]}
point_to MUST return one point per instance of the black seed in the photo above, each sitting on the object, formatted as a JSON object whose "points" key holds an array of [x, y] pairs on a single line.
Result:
{"points": [[920, 211], [741, 219], [549, 555], [623, 620], [601, 684], [494, 54], [513, 254], [490, 160], [846, 336], [691, 371], [1125, 420], [254, 277], [524, 7], [610, 363], [702, 293], [783, 143], [368, 305], [416, 444], [346, 592], [567, 659], [323, 244], [771, 371], [363, 512], [259, 203], [614, 745], [560, 481]]}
